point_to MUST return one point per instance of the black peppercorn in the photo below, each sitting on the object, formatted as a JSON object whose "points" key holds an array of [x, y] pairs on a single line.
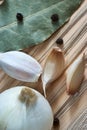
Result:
{"points": [[54, 17], [56, 121], [59, 41], [19, 17]]}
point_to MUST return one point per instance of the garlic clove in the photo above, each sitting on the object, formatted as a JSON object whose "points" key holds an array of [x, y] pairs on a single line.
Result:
{"points": [[1, 2], [75, 75], [23, 108], [20, 66], [54, 66]]}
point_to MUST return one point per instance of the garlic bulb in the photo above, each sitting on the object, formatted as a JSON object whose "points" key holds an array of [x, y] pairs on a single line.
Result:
{"points": [[23, 108], [75, 75], [54, 66], [20, 66]]}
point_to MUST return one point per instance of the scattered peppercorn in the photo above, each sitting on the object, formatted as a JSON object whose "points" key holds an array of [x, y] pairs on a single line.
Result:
{"points": [[19, 17], [59, 41], [56, 121], [54, 17]]}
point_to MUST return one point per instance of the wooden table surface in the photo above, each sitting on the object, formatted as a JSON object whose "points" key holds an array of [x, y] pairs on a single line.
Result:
{"points": [[71, 110]]}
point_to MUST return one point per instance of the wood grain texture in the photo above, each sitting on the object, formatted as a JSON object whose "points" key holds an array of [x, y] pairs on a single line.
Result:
{"points": [[80, 123], [71, 110]]}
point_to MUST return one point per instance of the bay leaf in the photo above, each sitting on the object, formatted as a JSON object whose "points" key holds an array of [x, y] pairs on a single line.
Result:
{"points": [[37, 25]]}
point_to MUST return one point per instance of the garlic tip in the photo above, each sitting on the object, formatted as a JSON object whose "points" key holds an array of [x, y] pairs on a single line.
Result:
{"points": [[27, 95]]}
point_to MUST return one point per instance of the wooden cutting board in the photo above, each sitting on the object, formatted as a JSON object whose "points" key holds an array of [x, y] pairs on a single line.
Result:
{"points": [[71, 110]]}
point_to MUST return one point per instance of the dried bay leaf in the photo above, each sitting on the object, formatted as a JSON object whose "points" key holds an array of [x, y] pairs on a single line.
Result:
{"points": [[37, 25]]}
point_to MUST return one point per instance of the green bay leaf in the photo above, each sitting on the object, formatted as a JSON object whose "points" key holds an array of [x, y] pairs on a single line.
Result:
{"points": [[37, 25]]}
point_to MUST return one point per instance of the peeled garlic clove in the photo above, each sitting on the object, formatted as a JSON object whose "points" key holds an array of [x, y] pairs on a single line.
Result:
{"points": [[54, 66], [20, 66], [23, 108], [75, 75], [1, 2]]}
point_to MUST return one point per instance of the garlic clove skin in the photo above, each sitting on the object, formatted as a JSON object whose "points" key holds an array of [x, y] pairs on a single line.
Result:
{"points": [[1, 2], [75, 75], [20, 66], [54, 67], [23, 108]]}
